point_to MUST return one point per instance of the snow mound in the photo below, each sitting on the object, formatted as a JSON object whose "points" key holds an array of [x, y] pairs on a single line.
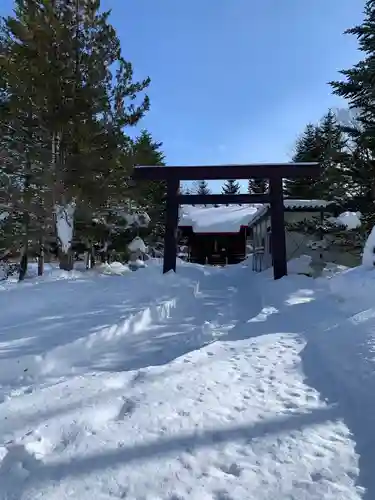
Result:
{"points": [[356, 284], [351, 220], [114, 268], [331, 269], [137, 264]]}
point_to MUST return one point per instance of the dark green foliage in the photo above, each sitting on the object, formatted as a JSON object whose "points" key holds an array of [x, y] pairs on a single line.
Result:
{"points": [[357, 86], [306, 150], [63, 118], [152, 195], [257, 186], [324, 143], [231, 187], [201, 187]]}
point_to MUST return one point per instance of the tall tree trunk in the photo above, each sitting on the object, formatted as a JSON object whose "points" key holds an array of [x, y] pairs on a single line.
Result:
{"points": [[26, 223], [24, 255], [41, 256], [66, 260], [25, 248]]}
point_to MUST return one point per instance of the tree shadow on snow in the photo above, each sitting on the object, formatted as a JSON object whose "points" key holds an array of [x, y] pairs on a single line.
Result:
{"points": [[338, 358], [174, 445], [340, 363]]}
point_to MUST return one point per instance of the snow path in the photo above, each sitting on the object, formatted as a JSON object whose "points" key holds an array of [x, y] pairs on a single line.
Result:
{"points": [[190, 386]]}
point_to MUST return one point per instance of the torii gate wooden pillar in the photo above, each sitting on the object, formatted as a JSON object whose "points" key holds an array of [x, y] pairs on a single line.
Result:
{"points": [[275, 172]]}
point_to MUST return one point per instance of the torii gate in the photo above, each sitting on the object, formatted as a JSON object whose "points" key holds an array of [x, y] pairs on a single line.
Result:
{"points": [[274, 172]]}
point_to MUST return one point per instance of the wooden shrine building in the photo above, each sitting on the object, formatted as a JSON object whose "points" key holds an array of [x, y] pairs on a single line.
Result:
{"points": [[216, 235], [274, 172]]}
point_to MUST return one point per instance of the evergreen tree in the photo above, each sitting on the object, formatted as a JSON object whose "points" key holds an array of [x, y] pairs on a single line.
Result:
{"points": [[307, 149], [257, 186], [153, 195], [231, 187], [357, 87], [201, 187], [62, 111], [334, 182], [324, 143]]}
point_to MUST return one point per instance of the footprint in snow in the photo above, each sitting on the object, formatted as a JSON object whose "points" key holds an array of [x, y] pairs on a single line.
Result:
{"points": [[222, 495], [183, 413], [232, 469], [126, 409]]}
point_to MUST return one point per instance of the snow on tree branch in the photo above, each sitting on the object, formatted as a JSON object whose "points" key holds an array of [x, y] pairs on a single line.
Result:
{"points": [[65, 224]]}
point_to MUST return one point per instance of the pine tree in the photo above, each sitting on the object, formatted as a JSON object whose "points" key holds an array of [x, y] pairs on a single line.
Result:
{"points": [[334, 182], [324, 143], [231, 187], [307, 149], [357, 87], [201, 187], [257, 186], [56, 81], [152, 196]]}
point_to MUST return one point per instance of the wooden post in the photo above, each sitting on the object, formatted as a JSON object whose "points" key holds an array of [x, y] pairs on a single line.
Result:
{"points": [[277, 228], [171, 224]]}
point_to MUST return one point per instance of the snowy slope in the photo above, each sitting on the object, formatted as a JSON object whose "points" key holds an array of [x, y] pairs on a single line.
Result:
{"points": [[214, 384]]}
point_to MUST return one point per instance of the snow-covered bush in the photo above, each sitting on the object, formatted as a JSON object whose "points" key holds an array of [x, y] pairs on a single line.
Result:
{"points": [[350, 220], [368, 256], [343, 231], [137, 249], [137, 245]]}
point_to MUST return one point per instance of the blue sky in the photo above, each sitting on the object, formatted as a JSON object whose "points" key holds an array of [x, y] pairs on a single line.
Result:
{"points": [[234, 81]]}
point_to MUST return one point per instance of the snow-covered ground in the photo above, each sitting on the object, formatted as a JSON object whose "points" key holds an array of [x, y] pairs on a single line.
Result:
{"points": [[211, 384]]}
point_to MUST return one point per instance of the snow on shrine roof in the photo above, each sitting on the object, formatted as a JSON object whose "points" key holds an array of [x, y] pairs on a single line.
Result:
{"points": [[230, 219], [222, 219]]}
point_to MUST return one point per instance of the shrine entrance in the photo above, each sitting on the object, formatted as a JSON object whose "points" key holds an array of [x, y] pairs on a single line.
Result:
{"points": [[274, 172]]}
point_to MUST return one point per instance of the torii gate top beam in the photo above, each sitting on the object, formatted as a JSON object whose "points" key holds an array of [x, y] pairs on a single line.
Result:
{"points": [[222, 172]]}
